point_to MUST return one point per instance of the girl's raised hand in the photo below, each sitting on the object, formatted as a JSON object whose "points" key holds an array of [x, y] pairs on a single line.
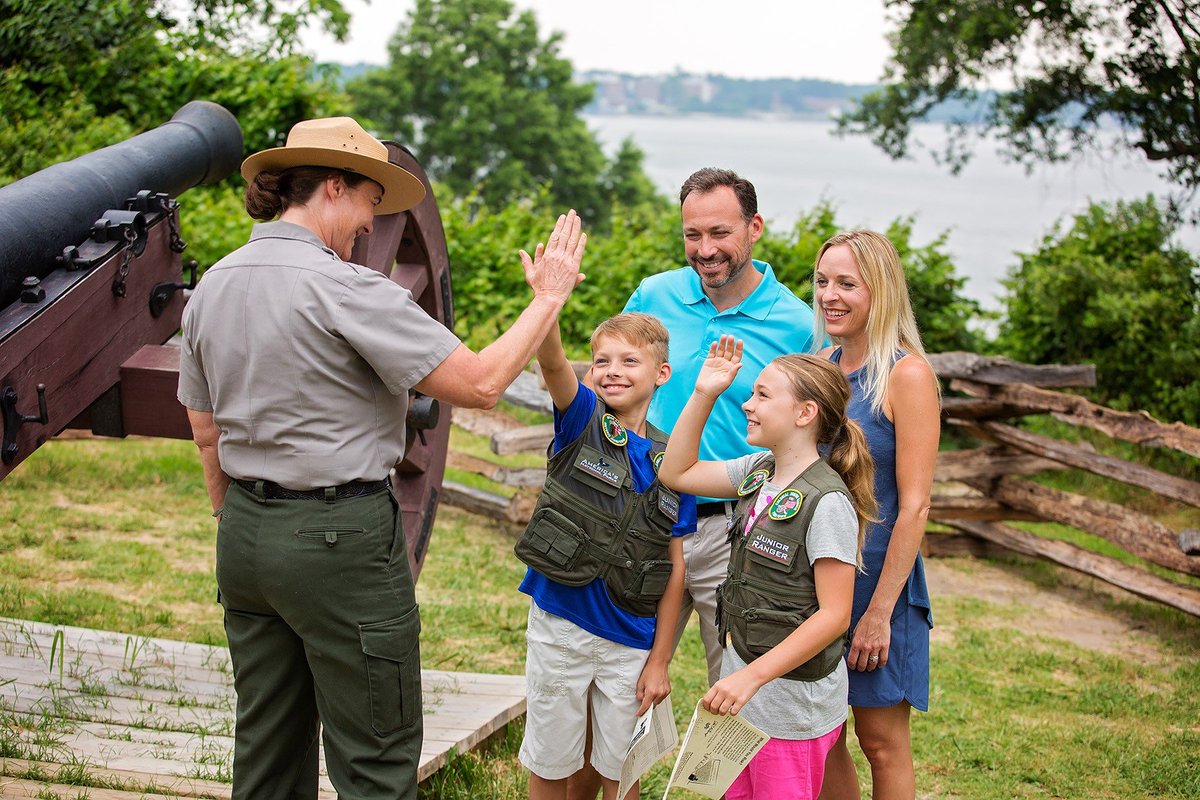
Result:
{"points": [[719, 369]]}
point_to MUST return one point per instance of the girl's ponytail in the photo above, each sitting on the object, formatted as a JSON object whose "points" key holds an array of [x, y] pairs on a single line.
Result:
{"points": [[841, 439], [849, 456]]}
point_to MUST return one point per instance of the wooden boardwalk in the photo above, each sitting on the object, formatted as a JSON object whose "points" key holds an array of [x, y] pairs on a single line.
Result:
{"points": [[111, 716]]}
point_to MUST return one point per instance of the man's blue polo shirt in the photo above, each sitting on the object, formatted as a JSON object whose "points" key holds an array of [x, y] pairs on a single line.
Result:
{"points": [[772, 321]]}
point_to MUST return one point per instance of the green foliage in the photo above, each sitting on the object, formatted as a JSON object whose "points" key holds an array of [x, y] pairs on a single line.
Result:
{"points": [[214, 222], [489, 107], [943, 313], [78, 76], [489, 287], [1113, 291], [1074, 65]]}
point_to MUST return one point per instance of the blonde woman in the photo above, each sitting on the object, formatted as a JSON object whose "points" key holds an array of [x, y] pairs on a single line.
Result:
{"points": [[862, 303]]}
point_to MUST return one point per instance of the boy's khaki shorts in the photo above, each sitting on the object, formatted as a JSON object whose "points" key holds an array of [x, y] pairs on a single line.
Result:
{"points": [[564, 666]]}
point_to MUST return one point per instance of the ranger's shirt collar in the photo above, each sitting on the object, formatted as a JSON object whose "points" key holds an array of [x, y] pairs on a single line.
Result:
{"points": [[279, 229]]}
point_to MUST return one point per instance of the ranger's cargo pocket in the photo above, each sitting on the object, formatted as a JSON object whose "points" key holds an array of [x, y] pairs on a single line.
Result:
{"points": [[551, 544], [393, 659]]}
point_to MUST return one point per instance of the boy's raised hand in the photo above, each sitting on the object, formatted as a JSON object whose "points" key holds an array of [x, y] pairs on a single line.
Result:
{"points": [[553, 270], [719, 369]]}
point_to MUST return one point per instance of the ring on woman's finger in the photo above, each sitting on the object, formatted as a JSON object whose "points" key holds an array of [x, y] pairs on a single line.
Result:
{"points": [[873, 658]]}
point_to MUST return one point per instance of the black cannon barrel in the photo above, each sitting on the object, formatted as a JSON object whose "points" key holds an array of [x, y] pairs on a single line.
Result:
{"points": [[44, 212]]}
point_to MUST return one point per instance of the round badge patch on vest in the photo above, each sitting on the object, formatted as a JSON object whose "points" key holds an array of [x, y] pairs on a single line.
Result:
{"points": [[657, 461], [753, 482], [614, 431], [786, 505]]}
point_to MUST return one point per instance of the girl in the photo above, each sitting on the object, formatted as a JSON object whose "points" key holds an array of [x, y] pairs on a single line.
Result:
{"points": [[862, 302], [785, 605]]}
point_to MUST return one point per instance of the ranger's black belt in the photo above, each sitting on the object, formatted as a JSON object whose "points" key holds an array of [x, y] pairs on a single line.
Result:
{"points": [[273, 491]]}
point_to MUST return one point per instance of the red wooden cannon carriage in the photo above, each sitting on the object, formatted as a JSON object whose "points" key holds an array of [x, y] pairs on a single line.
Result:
{"points": [[92, 291]]}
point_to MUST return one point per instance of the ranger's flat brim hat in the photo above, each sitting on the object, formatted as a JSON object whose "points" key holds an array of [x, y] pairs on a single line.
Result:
{"points": [[340, 142]]}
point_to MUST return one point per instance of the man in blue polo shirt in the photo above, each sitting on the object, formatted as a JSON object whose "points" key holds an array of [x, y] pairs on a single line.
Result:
{"points": [[723, 290]]}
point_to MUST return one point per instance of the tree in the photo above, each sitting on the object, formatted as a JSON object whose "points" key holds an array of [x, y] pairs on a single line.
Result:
{"points": [[78, 76], [1075, 65], [1115, 292], [944, 315], [487, 105]]}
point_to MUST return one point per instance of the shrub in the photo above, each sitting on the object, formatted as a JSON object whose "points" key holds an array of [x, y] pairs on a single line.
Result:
{"points": [[1114, 291]]}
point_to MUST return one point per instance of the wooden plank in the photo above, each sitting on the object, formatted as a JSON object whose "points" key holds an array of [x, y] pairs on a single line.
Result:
{"points": [[516, 509], [527, 392], [1137, 427], [530, 439], [485, 421], [1137, 533], [944, 508], [1189, 541], [996, 369], [165, 731], [954, 544], [20, 788], [1131, 579], [509, 476], [1106, 466], [973, 408], [987, 463], [149, 384], [132, 779]]}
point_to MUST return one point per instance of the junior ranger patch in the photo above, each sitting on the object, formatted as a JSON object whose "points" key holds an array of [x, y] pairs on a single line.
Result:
{"points": [[614, 431], [669, 505], [781, 551], [786, 505], [753, 482]]}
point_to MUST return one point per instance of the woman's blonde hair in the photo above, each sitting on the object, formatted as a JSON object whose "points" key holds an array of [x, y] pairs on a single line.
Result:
{"points": [[816, 379], [891, 325]]}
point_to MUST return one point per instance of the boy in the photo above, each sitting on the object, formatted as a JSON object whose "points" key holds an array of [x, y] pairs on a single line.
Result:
{"points": [[604, 560]]}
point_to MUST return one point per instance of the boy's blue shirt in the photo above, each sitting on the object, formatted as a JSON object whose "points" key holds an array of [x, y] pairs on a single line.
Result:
{"points": [[589, 606]]}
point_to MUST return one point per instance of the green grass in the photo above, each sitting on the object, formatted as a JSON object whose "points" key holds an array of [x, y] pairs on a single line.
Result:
{"points": [[117, 536]]}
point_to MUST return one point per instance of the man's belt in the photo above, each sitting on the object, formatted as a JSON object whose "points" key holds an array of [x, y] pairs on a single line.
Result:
{"points": [[710, 509], [273, 491]]}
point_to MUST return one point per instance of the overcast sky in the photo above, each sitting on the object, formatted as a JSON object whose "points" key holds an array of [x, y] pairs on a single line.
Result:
{"points": [[840, 40]]}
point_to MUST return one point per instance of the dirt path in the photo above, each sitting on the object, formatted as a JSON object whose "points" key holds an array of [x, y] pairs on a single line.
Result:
{"points": [[1072, 611]]}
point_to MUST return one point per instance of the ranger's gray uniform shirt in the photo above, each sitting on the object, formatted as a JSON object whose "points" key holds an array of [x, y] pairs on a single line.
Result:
{"points": [[304, 360]]}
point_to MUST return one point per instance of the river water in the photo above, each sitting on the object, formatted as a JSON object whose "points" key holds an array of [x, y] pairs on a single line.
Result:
{"points": [[992, 209]]}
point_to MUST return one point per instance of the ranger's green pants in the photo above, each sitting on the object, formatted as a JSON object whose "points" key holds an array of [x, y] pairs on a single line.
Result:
{"points": [[322, 625]]}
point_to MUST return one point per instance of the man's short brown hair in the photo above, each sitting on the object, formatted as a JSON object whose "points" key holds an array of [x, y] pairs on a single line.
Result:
{"points": [[703, 181], [640, 330]]}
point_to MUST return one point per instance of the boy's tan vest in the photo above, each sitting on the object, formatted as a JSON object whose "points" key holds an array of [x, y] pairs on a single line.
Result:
{"points": [[770, 588], [590, 523]]}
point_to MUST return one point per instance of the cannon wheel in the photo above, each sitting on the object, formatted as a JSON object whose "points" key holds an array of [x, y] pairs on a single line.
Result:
{"points": [[410, 247]]}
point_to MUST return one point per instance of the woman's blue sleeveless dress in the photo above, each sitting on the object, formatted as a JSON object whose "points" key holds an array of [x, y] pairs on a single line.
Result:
{"points": [[906, 674]]}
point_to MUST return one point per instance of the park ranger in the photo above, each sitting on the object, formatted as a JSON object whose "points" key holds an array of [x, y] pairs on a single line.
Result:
{"points": [[295, 371]]}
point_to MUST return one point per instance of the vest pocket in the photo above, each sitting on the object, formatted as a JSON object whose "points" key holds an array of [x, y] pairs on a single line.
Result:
{"points": [[765, 628], [393, 659], [551, 543], [651, 582]]}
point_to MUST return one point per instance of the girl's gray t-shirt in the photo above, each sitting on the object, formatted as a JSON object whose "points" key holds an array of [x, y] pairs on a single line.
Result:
{"points": [[787, 709]]}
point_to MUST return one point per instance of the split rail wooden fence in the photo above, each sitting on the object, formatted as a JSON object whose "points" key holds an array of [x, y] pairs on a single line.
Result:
{"points": [[977, 490]]}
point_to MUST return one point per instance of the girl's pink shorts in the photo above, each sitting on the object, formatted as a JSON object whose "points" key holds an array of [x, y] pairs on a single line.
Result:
{"points": [[785, 768]]}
